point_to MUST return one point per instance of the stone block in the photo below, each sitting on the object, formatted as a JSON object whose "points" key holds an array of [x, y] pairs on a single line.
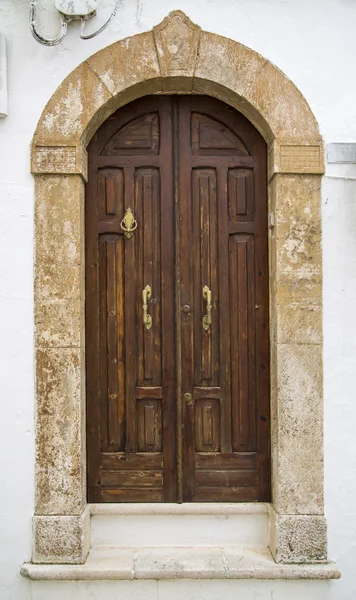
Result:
{"points": [[297, 226], [126, 63], [59, 217], [298, 310], [298, 539], [296, 158], [282, 106], [59, 322], [225, 69], [226, 62], [60, 159], [71, 108], [61, 539], [298, 445], [60, 435]]}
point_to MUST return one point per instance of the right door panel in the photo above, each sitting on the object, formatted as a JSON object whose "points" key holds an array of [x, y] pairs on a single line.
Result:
{"points": [[223, 299]]}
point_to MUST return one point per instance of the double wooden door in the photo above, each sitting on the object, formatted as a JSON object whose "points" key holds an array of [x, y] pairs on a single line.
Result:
{"points": [[177, 305]]}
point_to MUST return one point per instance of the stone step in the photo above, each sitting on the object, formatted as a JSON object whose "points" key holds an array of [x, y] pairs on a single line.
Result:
{"points": [[191, 524], [187, 563]]}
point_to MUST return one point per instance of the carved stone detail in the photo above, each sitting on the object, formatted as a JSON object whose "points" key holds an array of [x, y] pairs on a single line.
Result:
{"points": [[177, 40], [296, 158], [59, 159]]}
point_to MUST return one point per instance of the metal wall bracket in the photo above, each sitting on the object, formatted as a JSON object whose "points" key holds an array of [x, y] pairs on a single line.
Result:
{"points": [[342, 153], [3, 77], [70, 10]]}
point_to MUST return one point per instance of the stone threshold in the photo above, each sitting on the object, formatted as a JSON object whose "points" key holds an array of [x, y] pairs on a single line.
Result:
{"points": [[172, 562], [187, 508]]}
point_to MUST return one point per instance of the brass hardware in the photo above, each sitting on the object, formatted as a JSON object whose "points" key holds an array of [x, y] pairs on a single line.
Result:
{"points": [[207, 319], [128, 223], [146, 318], [188, 399]]}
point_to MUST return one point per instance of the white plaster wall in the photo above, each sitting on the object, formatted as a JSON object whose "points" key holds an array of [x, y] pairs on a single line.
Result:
{"points": [[314, 43]]}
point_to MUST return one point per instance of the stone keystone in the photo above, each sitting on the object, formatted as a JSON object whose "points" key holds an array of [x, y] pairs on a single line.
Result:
{"points": [[177, 41]]}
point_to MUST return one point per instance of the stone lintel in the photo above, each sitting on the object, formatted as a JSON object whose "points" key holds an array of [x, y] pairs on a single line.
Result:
{"points": [[62, 160], [298, 539], [61, 539]]}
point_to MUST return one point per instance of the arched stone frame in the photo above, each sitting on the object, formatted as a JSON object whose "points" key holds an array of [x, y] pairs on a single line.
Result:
{"points": [[177, 57]]}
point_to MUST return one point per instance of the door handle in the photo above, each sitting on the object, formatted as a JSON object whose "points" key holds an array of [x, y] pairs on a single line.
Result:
{"points": [[207, 319], [146, 318]]}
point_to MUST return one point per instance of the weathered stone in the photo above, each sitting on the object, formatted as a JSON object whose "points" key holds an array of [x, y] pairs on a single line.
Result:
{"points": [[282, 106], [59, 323], [53, 281], [71, 108], [60, 464], [59, 159], [296, 158], [126, 63], [227, 63], [225, 69], [298, 539], [298, 453], [295, 259], [177, 40], [61, 539], [297, 226], [298, 310], [59, 217]]}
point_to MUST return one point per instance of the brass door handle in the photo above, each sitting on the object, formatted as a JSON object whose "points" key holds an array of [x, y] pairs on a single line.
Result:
{"points": [[146, 318], [207, 319]]}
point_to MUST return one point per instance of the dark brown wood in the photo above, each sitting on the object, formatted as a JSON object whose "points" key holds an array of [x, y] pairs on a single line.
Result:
{"points": [[137, 494], [230, 460], [223, 228], [177, 413], [115, 461], [133, 479], [226, 479], [225, 494], [131, 369], [186, 323]]}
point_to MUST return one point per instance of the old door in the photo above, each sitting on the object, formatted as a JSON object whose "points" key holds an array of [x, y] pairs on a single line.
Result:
{"points": [[177, 305]]}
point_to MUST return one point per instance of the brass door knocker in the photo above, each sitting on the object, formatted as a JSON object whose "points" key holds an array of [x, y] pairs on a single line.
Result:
{"points": [[128, 223]]}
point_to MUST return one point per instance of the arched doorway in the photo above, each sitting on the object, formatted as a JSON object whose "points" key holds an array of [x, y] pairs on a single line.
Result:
{"points": [[178, 57], [177, 309]]}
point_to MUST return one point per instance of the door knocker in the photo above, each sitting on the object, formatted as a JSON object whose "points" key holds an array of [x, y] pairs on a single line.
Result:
{"points": [[128, 224]]}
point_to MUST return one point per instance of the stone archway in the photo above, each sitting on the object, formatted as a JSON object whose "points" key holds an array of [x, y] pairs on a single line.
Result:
{"points": [[177, 57]]}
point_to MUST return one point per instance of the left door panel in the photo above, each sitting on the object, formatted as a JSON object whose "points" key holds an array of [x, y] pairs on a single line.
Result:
{"points": [[130, 365]]}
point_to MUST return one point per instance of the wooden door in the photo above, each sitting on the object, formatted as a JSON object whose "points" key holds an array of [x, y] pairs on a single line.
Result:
{"points": [[131, 406], [223, 245], [178, 410]]}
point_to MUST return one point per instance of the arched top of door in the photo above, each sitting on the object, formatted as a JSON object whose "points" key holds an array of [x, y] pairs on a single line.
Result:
{"points": [[177, 57], [135, 128]]}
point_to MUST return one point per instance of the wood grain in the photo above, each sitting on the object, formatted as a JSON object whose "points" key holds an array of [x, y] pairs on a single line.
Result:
{"points": [[193, 171]]}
